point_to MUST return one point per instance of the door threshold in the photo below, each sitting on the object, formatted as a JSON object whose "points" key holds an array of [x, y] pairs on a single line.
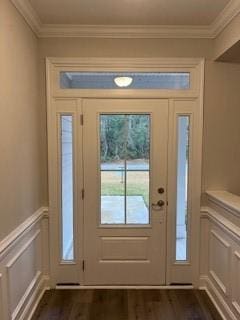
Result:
{"points": [[79, 287]]}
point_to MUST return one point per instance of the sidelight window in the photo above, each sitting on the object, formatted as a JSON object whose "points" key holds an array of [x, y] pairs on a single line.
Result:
{"points": [[66, 146], [182, 189]]}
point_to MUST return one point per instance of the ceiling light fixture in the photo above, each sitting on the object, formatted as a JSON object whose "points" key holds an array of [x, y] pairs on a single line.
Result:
{"points": [[123, 81]]}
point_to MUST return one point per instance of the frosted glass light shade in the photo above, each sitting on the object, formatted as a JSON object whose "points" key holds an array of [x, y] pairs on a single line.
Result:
{"points": [[123, 81]]}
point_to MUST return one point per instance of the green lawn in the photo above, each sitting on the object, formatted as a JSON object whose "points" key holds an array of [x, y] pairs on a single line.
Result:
{"points": [[137, 184]]}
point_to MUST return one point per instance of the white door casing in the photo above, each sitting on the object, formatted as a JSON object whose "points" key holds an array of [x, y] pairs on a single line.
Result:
{"points": [[180, 102]]}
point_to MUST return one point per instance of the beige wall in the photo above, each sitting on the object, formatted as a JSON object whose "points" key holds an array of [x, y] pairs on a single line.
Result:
{"points": [[221, 141], [21, 180]]}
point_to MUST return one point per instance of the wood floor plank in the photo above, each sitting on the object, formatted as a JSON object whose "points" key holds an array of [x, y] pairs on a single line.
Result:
{"points": [[208, 307], [187, 305], [120, 304]]}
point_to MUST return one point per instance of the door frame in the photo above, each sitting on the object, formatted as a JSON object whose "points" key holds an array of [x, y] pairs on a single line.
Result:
{"points": [[182, 102]]}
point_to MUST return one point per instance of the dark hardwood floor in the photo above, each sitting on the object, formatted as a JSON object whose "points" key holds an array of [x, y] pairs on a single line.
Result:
{"points": [[123, 304]]}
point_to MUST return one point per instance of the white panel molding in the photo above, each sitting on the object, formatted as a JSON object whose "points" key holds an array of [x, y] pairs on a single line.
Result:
{"points": [[27, 240], [1, 298], [11, 263], [223, 286], [127, 31], [35, 298], [32, 282], [17, 234], [224, 296], [28, 293], [217, 299], [31, 298], [236, 288]]}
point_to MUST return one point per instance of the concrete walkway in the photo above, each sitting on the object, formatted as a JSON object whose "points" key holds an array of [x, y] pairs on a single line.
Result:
{"points": [[112, 208]]}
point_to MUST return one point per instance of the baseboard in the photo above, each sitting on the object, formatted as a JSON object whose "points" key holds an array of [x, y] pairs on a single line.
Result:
{"points": [[216, 298], [35, 299]]}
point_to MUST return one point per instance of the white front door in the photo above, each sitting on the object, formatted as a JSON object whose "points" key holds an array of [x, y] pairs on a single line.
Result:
{"points": [[125, 175]]}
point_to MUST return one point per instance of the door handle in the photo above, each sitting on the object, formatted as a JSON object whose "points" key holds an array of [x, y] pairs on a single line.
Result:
{"points": [[158, 205]]}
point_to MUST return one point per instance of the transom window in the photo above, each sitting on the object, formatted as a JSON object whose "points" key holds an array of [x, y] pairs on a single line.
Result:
{"points": [[127, 80]]}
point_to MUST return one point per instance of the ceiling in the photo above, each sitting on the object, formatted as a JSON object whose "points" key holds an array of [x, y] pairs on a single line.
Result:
{"points": [[128, 18], [128, 12]]}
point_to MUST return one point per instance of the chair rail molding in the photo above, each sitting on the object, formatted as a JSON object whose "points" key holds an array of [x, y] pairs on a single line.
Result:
{"points": [[9, 241], [127, 31], [226, 200], [24, 264]]}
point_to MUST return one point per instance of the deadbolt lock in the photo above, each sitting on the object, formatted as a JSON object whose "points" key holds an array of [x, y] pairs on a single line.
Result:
{"points": [[160, 190]]}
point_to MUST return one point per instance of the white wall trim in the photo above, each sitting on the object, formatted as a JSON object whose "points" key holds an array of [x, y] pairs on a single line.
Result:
{"points": [[225, 17], [23, 249], [35, 298], [25, 245], [221, 285], [226, 200], [127, 31], [223, 292], [26, 295], [193, 65], [218, 301], [235, 303], [222, 222], [29, 14], [8, 242], [1, 298], [31, 298]]}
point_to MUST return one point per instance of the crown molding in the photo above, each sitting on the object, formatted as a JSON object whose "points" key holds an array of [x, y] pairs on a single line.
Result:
{"points": [[29, 14], [126, 31], [231, 10]]}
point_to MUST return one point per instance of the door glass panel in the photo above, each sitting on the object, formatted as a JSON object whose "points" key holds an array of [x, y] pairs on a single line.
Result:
{"points": [[112, 196], [67, 186], [137, 200], [128, 80], [125, 150], [182, 188]]}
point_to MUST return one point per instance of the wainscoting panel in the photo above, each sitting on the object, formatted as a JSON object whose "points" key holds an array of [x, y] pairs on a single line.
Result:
{"points": [[236, 282], [1, 298], [24, 267], [220, 258], [26, 263], [220, 268]]}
